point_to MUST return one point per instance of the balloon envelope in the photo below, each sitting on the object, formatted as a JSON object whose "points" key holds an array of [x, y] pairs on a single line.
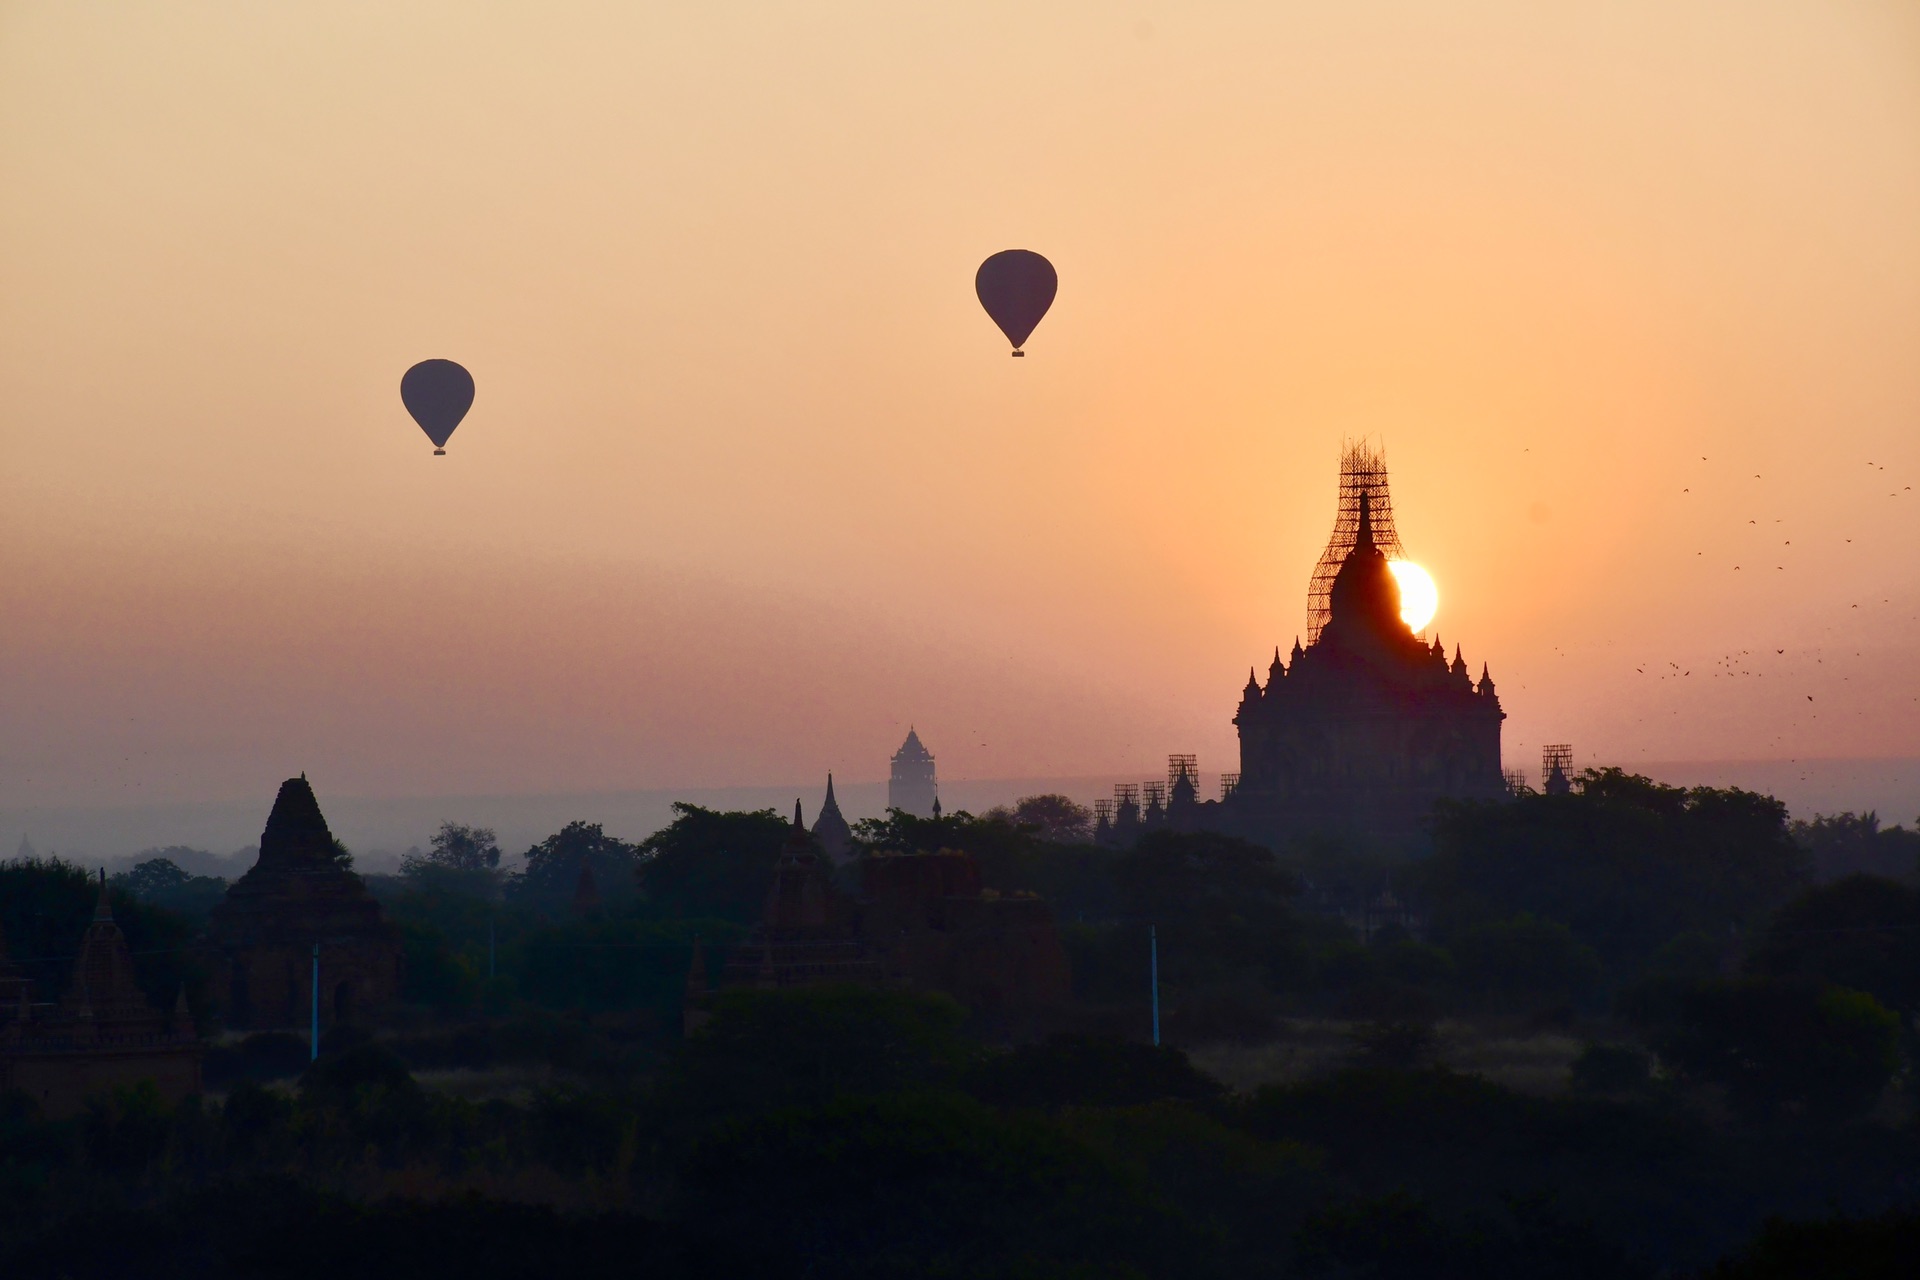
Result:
{"points": [[1016, 286], [438, 394]]}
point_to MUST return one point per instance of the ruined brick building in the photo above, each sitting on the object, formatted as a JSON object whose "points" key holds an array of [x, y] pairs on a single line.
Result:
{"points": [[101, 1035], [297, 895], [915, 920]]}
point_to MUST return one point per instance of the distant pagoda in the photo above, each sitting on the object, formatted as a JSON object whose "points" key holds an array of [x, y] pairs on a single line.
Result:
{"points": [[830, 829], [913, 788]]}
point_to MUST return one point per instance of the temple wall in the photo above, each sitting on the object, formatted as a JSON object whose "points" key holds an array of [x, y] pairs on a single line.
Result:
{"points": [[271, 986]]}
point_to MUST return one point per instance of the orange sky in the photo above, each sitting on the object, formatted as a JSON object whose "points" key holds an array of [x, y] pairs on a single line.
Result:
{"points": [[750, 481]]}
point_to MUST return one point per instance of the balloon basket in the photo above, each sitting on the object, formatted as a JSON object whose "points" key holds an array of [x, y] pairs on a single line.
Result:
{"points": [[439, 453], [1017, 353]]}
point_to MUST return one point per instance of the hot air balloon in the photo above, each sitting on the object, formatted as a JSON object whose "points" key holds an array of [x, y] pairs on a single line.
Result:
{"points": [[1016, 286], [438, 394]]}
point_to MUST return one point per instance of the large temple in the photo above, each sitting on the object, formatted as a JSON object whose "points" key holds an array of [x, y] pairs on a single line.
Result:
{"points": [[297, 897], [1361, 731]]}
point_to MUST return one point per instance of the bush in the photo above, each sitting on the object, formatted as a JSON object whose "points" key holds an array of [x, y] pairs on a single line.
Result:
{"points": [[1779, 1045], [1398, 1044], [765, 1050], [1525, 958], [1088, 1071], [1612, 1069], [266, 1055]]}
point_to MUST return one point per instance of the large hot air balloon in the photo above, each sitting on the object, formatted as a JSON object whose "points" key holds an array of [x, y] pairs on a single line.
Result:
{"points": [[1016, 286], [438, 394]]}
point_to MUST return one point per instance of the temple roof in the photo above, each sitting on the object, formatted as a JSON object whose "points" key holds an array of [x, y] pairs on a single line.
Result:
{"points": [[911, 748], [296, 894], [295, 827]]}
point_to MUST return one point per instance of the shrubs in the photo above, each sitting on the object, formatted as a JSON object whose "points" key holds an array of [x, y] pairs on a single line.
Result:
{"points": [[1096, 1071], [266, 1055], [1612, 1069], [1783, 1046], [1526, 958]]}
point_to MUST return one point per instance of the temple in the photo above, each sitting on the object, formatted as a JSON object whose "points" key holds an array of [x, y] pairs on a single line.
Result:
{"points": [[916, 920], [102, 1035], [830, 829], [296, 896], [912, 787], [1359, 733]]}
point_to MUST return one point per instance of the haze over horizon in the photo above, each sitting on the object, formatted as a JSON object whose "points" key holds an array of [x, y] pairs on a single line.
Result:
{"points": [[1629, 293]]}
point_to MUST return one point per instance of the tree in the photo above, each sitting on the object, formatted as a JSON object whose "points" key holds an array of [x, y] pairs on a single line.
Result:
{"points": [[767, 1050], [1844, 844], [553, 866], [1777, 1044], [1625, 863], [1528, 958], [1862, 932], [1088, 1071], [1051, 817], [163, 883], [712, 863], [458, 848]]}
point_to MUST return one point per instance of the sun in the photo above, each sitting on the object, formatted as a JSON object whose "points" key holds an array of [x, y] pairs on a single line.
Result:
{"points": [[1419, 598]]}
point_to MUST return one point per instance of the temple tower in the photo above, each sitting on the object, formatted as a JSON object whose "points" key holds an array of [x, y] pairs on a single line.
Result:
{"points": [[830, 829], [913, 788]]}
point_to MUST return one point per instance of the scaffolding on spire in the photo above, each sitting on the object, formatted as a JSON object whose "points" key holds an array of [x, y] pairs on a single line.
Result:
{"points": [[1363, 469], [1229, 783], [1556, 755], [1183, 764]]}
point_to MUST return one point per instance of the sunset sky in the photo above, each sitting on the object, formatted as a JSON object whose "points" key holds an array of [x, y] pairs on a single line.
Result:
{"points": [[1628, 291]]}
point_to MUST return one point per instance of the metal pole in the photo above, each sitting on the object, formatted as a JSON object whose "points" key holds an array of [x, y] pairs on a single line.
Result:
{"points": [[316, 1006], [1153, 977]]}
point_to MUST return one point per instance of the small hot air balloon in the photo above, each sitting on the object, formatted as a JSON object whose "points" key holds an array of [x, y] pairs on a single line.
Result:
{"points": [[1016, 286], [438, 394]]}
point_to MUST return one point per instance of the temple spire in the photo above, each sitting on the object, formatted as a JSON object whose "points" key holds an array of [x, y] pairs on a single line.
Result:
{"points": [[102, 908], [1363, 536]]}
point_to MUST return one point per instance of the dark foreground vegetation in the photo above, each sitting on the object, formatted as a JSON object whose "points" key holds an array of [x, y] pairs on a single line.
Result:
{"points": [[1737, 1099]]}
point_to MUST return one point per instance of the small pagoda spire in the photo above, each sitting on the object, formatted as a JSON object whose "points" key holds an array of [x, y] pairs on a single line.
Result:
{"points": [[1459, 663], [936, 808], [798, 824], [1253, 685], [1297, 651], [102, 908], [1486, 681], [1363, 536]]}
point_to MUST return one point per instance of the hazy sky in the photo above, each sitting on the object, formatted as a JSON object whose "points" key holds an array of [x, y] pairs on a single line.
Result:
{"points": [[1629, 291]]}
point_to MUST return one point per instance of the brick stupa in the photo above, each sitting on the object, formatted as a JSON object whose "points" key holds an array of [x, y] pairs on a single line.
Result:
{"points": [[296, 895]]}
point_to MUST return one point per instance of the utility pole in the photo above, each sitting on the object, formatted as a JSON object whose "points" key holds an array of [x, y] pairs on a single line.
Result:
{"points": [[315, 1045], [1153, 978]]}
